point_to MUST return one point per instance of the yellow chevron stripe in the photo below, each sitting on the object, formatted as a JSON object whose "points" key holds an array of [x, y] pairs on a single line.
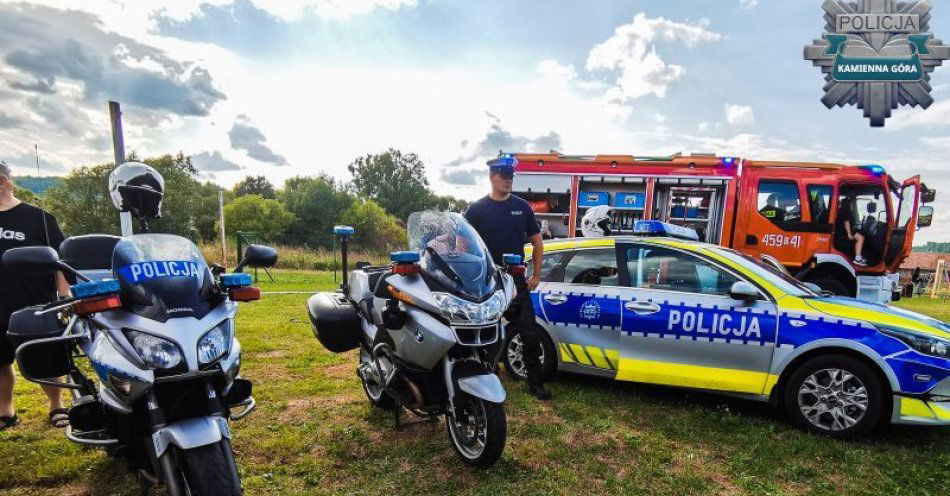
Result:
{"points": [[598, 357], [565, 355], [579, 353], [613, 356], [912, 407]]}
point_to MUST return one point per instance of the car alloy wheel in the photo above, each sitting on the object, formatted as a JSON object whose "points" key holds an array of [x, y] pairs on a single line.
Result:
{"points": [[833, 399]]}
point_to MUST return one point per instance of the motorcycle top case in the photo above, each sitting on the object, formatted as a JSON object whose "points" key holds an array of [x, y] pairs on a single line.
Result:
{"points": [[42, 361], [336, 324]]}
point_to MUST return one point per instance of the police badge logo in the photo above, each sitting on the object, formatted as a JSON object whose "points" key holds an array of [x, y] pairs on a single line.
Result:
{"points": [[877, 55], [590, 310]]}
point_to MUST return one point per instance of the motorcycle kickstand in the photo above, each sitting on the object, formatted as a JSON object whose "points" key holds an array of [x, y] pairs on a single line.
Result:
{"points": [[145, 484], [397, 426]]}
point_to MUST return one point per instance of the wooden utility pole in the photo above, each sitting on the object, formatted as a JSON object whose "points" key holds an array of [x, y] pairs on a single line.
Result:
{"points": [[224, 248], [118, 149], [938, 276]]}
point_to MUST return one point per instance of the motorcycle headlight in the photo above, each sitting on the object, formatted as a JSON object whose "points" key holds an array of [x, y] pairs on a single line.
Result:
{"points": [[456, 309], [156, 352], [924, 343], [215, 343]]}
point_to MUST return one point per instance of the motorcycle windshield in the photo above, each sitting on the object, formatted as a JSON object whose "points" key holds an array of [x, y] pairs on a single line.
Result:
{"points": [[452, 254], [163, 276]]}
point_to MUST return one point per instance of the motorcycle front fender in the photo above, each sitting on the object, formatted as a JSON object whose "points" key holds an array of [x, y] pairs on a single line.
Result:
{"points": [[484, 386], [190, 433]]}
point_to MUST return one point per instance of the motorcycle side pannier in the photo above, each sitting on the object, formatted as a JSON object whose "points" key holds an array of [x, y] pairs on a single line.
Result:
{"points": [[336, 324], [41, 360]]}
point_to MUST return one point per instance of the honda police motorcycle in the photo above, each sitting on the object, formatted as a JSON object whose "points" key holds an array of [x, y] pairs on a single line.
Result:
{"points": [[157, 327], [427, 328]]}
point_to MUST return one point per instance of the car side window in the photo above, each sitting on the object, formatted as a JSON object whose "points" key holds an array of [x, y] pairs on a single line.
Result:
{"points": [[655, 267], [549, 262], [779, 201], [595, 267]]}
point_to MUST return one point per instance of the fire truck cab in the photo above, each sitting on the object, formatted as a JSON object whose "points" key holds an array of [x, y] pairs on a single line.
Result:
{"points": [[810, 217]]}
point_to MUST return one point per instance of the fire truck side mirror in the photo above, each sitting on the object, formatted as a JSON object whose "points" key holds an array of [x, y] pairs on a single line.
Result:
{"points": [[925, 216]]}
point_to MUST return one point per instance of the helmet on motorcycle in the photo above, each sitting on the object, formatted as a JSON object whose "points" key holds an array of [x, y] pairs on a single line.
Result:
{"points": [[137, 188], [596, 222]]}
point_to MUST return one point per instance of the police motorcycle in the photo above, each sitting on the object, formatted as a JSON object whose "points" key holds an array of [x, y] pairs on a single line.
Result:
{"points": [[156, 325], [427, 328]]}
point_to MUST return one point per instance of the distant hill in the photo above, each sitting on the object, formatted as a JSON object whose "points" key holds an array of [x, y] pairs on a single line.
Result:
{"points": [[36, 184]]}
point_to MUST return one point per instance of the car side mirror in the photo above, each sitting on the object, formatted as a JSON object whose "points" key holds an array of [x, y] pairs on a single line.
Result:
{"points": [[36, 260], [925, 216], [744, 291], [258, 256]]}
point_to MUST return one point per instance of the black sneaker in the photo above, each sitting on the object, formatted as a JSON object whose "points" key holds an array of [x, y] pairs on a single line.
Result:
{"points": [[539, 392]]}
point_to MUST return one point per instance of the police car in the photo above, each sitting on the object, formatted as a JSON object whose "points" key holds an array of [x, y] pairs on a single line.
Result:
{"points": [[662, 308]]}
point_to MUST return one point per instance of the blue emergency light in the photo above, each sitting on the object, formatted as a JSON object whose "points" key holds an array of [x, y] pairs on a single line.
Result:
{"points": [[511, 259], [657, 228], [95, 288], [728, 160], [404, 257], [874, 169], [343, 230], [239, 280]]}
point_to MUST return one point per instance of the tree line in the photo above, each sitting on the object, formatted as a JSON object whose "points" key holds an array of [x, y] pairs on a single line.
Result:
{"points": [[385, 188]]}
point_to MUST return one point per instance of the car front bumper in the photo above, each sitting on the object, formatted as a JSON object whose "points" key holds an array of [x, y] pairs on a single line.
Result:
{"points": [[932, 408]]}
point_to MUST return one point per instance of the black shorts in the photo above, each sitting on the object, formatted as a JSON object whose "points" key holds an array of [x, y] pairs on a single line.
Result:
{"points": [[7, 353]]}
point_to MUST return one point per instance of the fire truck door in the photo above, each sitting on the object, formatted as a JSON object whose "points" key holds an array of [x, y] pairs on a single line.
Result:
{"points": [[898, 246], [775, 224]]}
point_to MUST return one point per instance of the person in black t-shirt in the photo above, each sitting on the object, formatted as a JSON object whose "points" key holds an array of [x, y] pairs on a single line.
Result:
{"points": [[25, 225], [506, 222]]}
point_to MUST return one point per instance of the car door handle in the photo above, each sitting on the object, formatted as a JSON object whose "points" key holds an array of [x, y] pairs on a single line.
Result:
{"points": [[555, 299], [641, 307]]}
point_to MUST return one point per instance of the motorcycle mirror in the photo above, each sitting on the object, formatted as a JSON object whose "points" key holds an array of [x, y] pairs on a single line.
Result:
{"points": [[36, 260], [742, 290], [925, 216], [259, 256]]}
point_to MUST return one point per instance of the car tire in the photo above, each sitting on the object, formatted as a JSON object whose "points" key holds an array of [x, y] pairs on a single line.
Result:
{"points": [[832, 285], [824, 396], [514, 366]]}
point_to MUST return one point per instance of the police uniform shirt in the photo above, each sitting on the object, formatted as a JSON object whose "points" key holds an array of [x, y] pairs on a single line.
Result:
{"points": [[20, 226], [505, 226]]}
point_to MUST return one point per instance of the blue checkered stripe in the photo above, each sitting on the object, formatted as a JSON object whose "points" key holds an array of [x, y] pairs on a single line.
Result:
{"points": [[583, 310]]}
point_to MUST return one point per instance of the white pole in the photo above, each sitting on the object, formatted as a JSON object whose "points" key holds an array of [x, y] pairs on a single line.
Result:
{"points": [[224, 248]]}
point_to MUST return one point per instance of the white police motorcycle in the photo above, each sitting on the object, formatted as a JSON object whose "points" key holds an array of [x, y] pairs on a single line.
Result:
{"points": [[427, 327], [157, 327]]}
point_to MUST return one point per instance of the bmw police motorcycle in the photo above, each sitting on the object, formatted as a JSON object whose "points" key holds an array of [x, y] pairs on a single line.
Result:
{"points": [[427, 328], [156, 325]]}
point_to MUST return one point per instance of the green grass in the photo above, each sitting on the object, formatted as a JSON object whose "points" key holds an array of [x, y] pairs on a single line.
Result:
{"points": [[314, 433]]}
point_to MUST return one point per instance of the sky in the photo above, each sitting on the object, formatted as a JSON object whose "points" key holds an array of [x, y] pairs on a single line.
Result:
{"points": [[283, 88]]}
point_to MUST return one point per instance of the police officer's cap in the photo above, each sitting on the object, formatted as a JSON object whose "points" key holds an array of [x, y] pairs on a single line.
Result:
{"points": [[504, 164]]}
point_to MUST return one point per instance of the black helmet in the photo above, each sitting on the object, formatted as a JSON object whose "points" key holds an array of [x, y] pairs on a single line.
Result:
{"points": [[137, 188]]}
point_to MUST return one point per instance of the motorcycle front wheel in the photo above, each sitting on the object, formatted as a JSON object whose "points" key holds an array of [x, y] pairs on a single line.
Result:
{"points": [[478, 430], [207, 471]]}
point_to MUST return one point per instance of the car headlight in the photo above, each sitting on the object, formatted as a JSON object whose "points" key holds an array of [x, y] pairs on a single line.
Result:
{"points": [[924, 343], [215, 343], [156, 352], [456, 309]]}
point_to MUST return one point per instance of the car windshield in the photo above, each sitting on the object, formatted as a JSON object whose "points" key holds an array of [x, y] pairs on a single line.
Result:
{"points": [[778, 278], [165, 275], [452, 253]]}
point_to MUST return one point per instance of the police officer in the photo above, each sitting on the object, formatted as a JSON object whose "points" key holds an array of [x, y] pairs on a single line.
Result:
{"points": [[24, 225], [506, 222]]}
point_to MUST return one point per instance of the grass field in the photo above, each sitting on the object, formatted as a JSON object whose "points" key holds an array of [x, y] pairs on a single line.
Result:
{"points": [[314, 433]]}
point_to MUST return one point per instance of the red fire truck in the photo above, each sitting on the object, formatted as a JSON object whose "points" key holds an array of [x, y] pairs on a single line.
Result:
{"points": [[794, 212]]}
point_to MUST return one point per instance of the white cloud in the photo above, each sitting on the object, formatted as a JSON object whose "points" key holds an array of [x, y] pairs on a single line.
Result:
{"points": [[290, 10], [631, 51], [556, 71], [937, 115], [739, 115], [748, 4]]}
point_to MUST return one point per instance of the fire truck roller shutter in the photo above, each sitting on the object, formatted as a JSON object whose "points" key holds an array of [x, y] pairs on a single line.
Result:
{"points": [[542, 183]]}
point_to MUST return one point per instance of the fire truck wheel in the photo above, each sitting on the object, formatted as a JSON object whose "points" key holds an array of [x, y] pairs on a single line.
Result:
{"points": [[833, 285]]}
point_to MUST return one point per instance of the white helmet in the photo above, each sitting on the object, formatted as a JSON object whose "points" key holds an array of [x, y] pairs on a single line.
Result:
{"points": [[596, 222], [137, 188]]}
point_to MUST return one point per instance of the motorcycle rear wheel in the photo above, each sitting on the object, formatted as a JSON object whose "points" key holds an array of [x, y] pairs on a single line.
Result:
{"points": [[207, 472], [478, 430]]}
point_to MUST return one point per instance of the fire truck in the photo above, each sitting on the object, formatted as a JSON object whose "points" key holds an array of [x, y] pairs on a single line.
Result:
{"points": [[797, 214]]}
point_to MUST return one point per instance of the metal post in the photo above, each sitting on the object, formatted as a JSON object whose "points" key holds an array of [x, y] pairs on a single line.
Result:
{"points": [[118, 150], [224, 248]]}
